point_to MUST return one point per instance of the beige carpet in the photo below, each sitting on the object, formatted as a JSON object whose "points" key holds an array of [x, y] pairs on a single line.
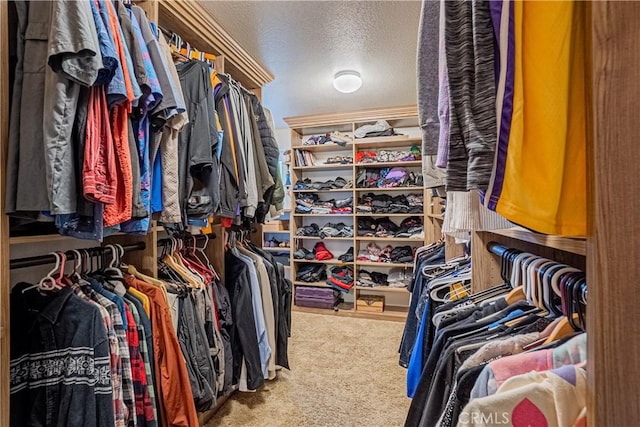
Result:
{"points": [[344, 372]]}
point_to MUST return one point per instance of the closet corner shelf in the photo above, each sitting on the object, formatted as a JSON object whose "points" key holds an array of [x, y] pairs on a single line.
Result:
{"points": [[391, 189], [390, 239], [383, 289], [408, 163], [323, 167], [387, 142], [323, 148], [436, 216], [385, 264], [567, 244]]}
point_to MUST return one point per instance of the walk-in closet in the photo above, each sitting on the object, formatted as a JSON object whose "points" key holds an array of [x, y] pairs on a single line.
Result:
{"points": [[319, 213]]}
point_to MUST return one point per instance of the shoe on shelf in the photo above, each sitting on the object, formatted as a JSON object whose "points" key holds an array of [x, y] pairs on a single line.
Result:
{"points": [[302, 253], [347, 256]]}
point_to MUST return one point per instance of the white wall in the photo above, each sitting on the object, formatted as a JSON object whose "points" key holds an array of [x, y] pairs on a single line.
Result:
{"points": [[283, 136]]}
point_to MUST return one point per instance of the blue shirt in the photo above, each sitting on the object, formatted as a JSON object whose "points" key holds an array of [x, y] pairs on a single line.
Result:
{"points": [[116, 299]]}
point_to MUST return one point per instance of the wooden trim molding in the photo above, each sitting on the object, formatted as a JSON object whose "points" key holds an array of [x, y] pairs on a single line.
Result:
{"points": [[314, 120], [195, 24], [5, 285]]}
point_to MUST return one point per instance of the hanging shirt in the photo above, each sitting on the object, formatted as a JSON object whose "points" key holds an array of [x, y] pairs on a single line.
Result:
{"points": [[258, 311], [172, 379], [54, 338], [539, 178]]}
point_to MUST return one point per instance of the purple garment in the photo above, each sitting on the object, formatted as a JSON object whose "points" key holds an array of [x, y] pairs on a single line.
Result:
{"points": [[504, 42], [443, 99]]}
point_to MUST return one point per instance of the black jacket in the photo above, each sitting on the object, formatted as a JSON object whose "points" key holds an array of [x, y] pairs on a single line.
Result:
{"points": [[195, 348], [244, 338], [229, 184], [271, 151], [225, 316]]}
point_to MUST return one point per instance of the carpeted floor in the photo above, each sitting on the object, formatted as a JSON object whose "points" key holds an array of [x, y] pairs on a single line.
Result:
{"points": [[344, 372]]}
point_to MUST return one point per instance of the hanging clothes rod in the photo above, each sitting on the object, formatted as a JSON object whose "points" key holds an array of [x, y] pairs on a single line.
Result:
{"points": [[199, 238], [34, 261], [496, 248]]}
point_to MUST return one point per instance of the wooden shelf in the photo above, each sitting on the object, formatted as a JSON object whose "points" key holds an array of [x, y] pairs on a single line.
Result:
{"points": [[334, 261], [383, 289], [408, 163], [567, 244], [42, 238], [313, 284], [322, 167], [320, 238], [387, 142], [384, 264], [390, 189], [345, 309], [390, 239], [324, 148], [312, 215], [270, 249], [391, 215], [332, 190], [275, 231], [436, 216], [391, 312]]}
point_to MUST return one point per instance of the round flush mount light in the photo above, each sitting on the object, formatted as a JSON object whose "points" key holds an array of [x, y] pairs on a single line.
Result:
{"points": [[347, 81]]}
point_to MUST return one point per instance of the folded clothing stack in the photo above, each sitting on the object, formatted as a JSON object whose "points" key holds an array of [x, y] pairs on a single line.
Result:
{"points": [[383, 227], [328, 230], [339, 160], [384, 203], [311, 273], [400, 277], [388, 178], [370, 279], [336, 137], [320, 253], [379, 128], [311, 204], [332, 184], [341, 278], [388, 156], [399, 254]]}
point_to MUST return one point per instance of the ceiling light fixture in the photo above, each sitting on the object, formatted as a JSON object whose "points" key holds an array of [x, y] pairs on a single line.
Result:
{"points": [[347, 81]]}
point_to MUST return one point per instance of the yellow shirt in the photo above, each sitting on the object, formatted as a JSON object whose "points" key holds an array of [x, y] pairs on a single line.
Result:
{"points": [[143, 298], [545, 174]]}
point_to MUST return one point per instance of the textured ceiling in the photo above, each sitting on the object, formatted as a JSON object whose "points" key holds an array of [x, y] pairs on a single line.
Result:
{"points": [[304, 43]]}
